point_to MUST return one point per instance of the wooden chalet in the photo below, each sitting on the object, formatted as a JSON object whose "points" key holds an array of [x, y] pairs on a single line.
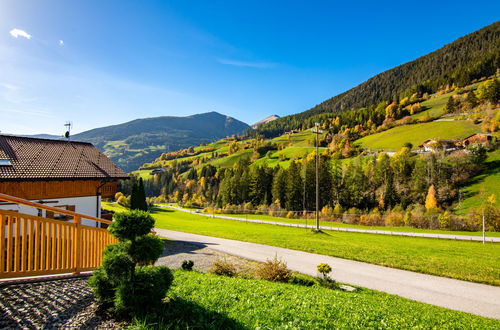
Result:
{"points": [[478, 138], [68, 175]]}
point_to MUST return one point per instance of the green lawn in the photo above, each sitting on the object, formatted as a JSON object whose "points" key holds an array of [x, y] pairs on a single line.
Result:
{"points": [[464, 260], [482, 185], [435, 104], [207, 301], [394, 138], [311, 222]]}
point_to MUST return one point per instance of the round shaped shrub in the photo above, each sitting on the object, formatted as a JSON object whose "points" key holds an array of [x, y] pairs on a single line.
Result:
{"points": [[117, 264], [187, 265], [129, 225], [122, 284], [104, 291], [324, 269], [146, 249], [145, 292]]}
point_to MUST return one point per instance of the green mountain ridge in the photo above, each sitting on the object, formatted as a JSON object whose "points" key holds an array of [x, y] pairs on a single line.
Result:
{"points": [[471, 57], [135, 142]]}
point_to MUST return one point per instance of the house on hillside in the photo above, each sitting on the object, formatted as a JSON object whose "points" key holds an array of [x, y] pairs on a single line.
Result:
{"points": [[481, 138], [157, 171], [437, 144], [63, 174]]}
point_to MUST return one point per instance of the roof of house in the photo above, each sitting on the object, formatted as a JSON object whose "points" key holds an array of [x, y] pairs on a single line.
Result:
{"points": [[43, 159], [477, 134]]}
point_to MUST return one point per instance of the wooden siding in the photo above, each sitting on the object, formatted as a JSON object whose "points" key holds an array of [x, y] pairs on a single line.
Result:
{"points": [[48, 189]]}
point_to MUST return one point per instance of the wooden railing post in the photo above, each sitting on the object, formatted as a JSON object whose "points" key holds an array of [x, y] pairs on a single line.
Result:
{"points": [[77, 245]]}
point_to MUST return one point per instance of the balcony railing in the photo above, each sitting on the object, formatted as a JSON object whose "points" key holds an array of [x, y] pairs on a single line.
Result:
{"points": [[32, 245]]}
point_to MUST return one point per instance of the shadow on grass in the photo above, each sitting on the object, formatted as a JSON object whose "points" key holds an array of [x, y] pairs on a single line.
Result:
{"points": [[157, 209], [183, 314], [491, 168], [319, 232]]}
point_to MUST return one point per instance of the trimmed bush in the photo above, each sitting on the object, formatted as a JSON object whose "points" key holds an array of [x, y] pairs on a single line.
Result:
{"points": [[145, 250], [187, 265], [103, 290], [145, 292], [124, 284], [325, 280], [131, 224]]}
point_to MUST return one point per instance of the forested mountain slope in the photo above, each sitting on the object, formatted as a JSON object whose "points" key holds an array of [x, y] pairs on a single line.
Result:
{"points": [[471, 57]]}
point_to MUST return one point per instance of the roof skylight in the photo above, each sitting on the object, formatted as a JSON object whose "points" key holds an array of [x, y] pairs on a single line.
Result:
{"points": [[5, 162]]}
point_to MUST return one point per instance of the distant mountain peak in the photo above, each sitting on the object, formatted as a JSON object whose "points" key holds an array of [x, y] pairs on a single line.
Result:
{"points": [[265, 121], [135, 142]]}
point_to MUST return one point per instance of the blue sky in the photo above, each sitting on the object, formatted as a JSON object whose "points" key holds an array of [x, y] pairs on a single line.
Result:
{"points": [[100, 63]]}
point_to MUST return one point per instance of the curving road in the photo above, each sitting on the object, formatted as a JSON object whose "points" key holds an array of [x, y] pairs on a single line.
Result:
{"points": [[356, 230], [474, 298]]}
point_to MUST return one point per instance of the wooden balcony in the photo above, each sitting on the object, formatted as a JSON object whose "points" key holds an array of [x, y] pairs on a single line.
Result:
{"points": [[31, 245]]}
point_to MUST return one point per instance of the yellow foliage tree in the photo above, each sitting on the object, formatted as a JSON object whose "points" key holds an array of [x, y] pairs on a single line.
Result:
{"points": [[430, 200]]}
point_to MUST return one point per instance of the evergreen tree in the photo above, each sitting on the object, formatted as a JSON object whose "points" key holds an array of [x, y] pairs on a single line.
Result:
{"points": [[294, 188], [390, 196], [471, 100], [451, 105], [134, 197], [279, 187], [138, 197]]}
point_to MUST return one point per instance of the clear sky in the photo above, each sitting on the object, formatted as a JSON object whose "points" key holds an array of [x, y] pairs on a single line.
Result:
{"points": [[103, 62]]}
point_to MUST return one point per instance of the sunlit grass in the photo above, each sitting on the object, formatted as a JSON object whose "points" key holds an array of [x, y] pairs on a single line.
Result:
{"points": [[464, 260]]}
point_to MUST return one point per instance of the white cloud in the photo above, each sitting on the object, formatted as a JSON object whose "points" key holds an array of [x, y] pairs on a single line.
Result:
{"points": [[258, 65], [9, 87], [20, 33], [61, 42]]}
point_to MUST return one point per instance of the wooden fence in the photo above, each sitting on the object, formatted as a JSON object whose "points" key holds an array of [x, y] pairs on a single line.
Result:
{"points": [[32, 245]]}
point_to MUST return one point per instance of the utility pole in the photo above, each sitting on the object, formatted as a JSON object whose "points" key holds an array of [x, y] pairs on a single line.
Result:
{"points": [[317, 131]]}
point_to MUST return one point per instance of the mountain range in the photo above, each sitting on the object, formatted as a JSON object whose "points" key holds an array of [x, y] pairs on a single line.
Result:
{"points": [[135, 142]]}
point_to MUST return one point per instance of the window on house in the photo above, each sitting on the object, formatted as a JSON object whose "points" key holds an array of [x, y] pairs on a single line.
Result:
{"points": [[5, 162], [59, 216]]}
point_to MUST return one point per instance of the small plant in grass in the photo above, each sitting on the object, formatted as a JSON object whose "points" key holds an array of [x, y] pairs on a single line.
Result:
{"points": [[275, 270], [325, 280], [127, 284], [221, 266], [187, 265]]}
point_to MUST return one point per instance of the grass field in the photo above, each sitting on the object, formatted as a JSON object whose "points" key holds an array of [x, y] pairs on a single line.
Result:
{"points": [[436, 106], [394, 138], [311, 222], [482, 185], [207, 301], [438, 257]]}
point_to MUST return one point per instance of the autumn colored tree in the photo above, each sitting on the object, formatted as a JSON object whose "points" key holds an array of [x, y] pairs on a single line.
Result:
{"points": [[430, 200]]}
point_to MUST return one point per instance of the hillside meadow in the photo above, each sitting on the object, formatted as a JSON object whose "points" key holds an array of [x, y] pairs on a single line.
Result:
{"points": [[394, 138]]}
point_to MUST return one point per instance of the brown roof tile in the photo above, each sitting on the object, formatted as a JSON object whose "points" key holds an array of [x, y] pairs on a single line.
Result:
{"points": [[54, 159]]}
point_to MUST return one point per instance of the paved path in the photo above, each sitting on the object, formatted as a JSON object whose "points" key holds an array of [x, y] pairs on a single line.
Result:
{"points": [[356, 230], [479, 299]]}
